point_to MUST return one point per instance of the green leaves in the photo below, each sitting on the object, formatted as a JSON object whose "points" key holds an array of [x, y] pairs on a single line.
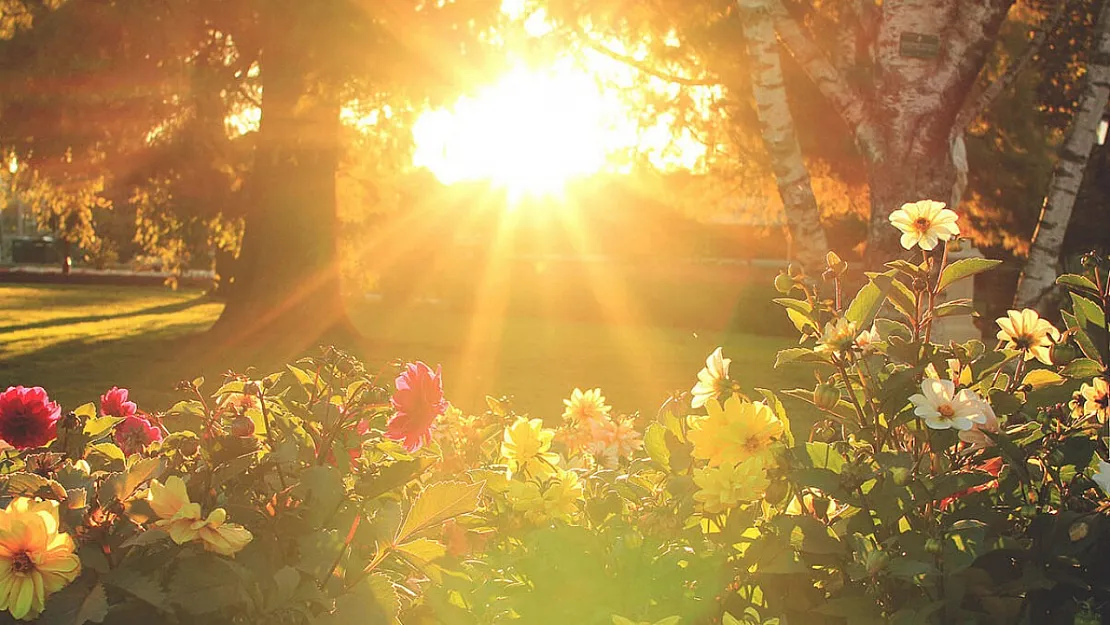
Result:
{"points": [[869, 299], [964, 268], [655, 443], [437, 503], [1041, 378]]}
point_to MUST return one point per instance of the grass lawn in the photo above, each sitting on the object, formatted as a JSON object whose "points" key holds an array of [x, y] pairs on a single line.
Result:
{"points": [[79, 340]]}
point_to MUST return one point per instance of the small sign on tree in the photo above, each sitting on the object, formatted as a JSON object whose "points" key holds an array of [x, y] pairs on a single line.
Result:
{"points": [[919, 45]]}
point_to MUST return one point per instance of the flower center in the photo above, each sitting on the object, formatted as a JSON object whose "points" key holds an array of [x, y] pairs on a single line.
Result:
{"points": [[921, 225], [946, 411], [752, 444], [1024, 341], [21, 562]]}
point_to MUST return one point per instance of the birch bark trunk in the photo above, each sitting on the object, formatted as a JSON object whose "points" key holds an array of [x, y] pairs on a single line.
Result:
{"points": [[779, 137], [1038, 278]]}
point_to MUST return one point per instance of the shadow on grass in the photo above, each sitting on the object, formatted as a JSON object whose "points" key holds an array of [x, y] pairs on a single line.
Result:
{"points": [[63, 321]]}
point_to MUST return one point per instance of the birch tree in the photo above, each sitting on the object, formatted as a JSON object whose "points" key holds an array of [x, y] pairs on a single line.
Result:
{"points": [[1038, 278], [779, 137]]}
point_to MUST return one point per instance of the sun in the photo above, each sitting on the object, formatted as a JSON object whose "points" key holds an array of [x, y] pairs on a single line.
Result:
{"points": [[531, 132]]}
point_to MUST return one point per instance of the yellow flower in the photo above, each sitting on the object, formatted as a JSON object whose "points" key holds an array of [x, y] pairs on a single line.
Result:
{"points": [[585, 407], [724, 487], [735, 432], [221, 537], [839, 336], [1026, 331], [560, 499], [712, 380], [526, 447], [925, 223], [35, 559], [184, 522], [1096, 396]]}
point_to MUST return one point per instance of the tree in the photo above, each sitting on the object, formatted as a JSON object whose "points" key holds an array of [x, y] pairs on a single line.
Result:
{"points": [[310, 59], [1039, 276]]}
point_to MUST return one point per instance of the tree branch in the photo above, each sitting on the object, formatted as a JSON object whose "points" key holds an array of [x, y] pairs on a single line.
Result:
{"points": [[976, 105], [849, 104], [645, 67]]}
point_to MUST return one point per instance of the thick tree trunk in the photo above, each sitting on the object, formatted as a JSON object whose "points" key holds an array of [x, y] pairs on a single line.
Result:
{"points": [[926, 57], [287, 280], [1038, 278], [779, 137]]}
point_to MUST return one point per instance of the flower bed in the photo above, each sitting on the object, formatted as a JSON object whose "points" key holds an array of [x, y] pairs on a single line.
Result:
{"points": [[938, 483]]}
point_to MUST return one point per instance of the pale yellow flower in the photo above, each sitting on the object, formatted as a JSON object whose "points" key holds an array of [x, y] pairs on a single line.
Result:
{"points": [[1026, 331], [36, 560], [585, 407], [222, 537], [525, 447], [183, 521], [712, 380], [867, 340], [734, 432], [839, 337], [924, 224], [561, 497], [728, 485], [1096, 398]]}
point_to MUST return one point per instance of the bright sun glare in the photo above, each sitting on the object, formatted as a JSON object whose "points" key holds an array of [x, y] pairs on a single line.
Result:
{"points": [[530, 132]]}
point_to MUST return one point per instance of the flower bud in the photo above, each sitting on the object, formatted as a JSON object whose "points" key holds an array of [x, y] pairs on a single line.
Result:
{"points": [[1062, 353], [242, 426], [835, 265], [784, 283], [826, 396]]}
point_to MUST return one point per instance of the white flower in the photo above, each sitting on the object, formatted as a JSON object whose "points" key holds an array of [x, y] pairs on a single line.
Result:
{"points": [[925, 223], [712, 380], [839, 336], [1102, 476], [977, 435], [942, 408], [867, 339]]}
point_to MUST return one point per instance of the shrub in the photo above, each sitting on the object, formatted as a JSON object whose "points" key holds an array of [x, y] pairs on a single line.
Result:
{"points": [[915, 483]]}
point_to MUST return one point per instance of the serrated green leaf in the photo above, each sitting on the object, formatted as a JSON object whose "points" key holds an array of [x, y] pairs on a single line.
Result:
{"points": [[655, 443], [97, 426], [148, 537], [867, 302], [800, 320], [22, 484], [138, 585], [307, 380], [800, 354], [374, 600], [1041, 378], [423, 550], [437, 503], [964, 268], [1087, 311], [1075, 281], [1082, 369]]}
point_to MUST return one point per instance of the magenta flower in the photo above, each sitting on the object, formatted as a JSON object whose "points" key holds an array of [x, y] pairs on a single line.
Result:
{"points": [[27, 417], [417, 402], [135, 432], [114, 404]]}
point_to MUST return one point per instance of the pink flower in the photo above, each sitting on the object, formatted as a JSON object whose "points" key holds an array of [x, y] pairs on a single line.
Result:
{"points": [[27, 417], [114, 404], [136, 432], [418, 401]]}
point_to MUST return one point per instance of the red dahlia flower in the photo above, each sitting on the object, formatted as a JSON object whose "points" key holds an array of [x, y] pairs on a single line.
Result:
{"points": [[418, 401], [114, 403], [136, 432], [27, 417]]}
